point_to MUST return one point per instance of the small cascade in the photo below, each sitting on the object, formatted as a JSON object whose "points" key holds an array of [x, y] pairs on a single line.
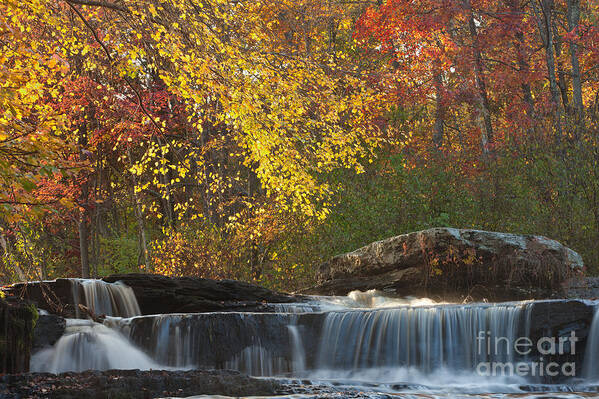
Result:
{"points": [[254, 343], [173, 341], [87, 345], [591, 355], [361, 337], [423, 338], [257, 361], [110, 299], [298, 353]]}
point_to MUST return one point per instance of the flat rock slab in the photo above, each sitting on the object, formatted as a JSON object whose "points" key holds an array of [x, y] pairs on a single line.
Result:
{"points": [[158, 294]]}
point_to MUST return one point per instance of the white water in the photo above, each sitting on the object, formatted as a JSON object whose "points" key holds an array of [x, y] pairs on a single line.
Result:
{"points": [[87, 345], [371, 299]]}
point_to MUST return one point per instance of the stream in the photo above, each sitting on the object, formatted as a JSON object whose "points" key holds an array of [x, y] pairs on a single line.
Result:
{"points": [[361, 345]]}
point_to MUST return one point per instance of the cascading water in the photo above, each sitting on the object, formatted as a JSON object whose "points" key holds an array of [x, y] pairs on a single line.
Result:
{"points": [[87, 345], [362, 338], [254, 343], [424, 338], [110, 299], [299, 353]]}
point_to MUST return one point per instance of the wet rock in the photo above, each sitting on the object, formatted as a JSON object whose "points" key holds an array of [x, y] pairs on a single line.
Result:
{"points": [[455, 264], [560, 319], [134, 384], [160, 294], [48, 329]]}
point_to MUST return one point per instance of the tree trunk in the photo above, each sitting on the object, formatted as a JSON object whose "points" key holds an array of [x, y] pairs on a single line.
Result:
{"points": [[561, 74], [573, 20], [84, 243], [523, 65], [544, 24], [487, 136], [83, 205], [439, 117], [524, 69], [141, 228], [255, 265]]}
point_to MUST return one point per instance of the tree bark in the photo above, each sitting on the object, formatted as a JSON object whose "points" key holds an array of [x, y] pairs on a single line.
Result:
{"points": [[255, 265], [523, 65], [141, 228], [561, 74], [573, 21], [438, 130], [544, 18], [83, 205], [84, 243], [487, 136]]}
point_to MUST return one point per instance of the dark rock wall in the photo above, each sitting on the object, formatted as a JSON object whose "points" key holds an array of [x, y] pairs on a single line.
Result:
{"points": [[48, 330], [17, 322]]}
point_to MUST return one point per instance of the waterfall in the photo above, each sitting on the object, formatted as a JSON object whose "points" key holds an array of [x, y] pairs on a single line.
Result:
{"points": [[298, 353], [359, 333], [591, 354], [423, 338], [256, 361], [254, 343], [87, 345], [110, 299]]}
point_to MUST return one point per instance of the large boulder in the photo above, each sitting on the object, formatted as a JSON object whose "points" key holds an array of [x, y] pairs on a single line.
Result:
{"points": [[582, 287], [454, 264]]}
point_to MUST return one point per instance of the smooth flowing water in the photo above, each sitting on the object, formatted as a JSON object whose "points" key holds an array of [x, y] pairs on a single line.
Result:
{"points": [[360, 343], [87, 345], [110, 299]]}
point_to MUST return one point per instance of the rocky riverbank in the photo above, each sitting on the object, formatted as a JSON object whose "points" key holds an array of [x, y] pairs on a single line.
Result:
{"points": [[134, 384]]}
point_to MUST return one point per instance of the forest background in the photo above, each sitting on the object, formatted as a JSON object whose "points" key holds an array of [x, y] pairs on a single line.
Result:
{"points": [[254, 140]]}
